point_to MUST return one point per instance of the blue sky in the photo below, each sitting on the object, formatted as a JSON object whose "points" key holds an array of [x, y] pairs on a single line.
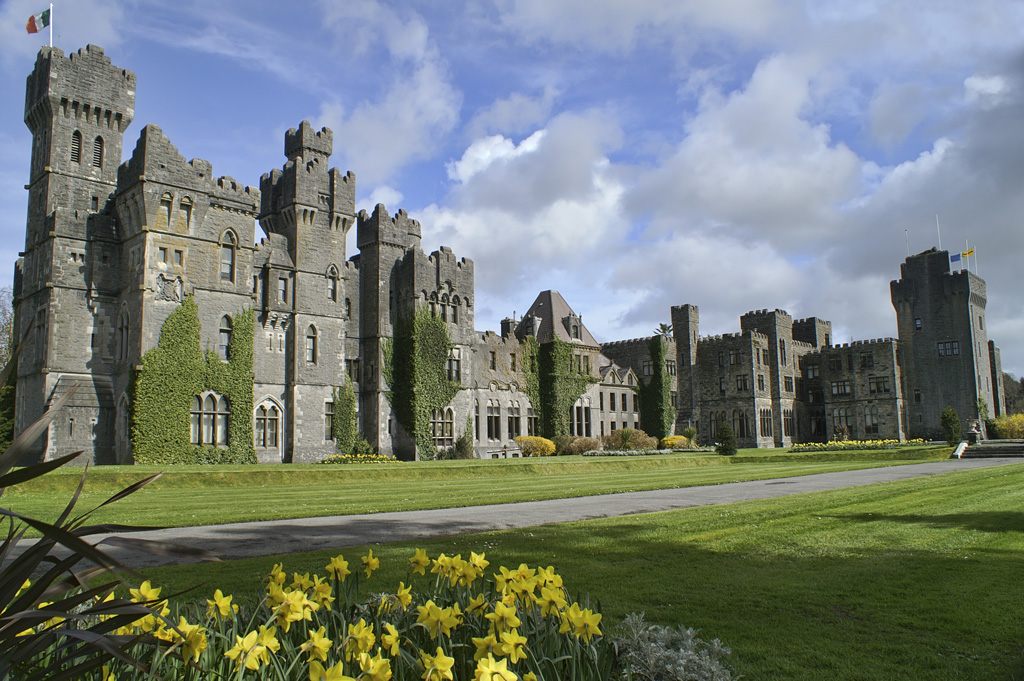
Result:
{"points": [[737, 155]]}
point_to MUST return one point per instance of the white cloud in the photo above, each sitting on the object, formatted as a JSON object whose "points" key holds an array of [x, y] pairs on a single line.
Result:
{"points": [[895, 110], [513, 114], [984, 90], [484, 152]]}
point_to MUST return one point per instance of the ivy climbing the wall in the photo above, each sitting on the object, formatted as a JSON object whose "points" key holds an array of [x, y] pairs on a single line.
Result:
{"points": [[657, 417], [176, 371], [531, 374], [343, 426], [415, 369], [560, 385]]}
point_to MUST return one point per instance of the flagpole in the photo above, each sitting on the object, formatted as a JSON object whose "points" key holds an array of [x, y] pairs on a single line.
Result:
{"points": [[51, 24], [967, 250], [938, 230], [906, 235]]}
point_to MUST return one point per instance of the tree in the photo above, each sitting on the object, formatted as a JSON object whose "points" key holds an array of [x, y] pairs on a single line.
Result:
{"points": [[1013, 389], [7, 390], [664, 330], [726, 440], [950, 421]]}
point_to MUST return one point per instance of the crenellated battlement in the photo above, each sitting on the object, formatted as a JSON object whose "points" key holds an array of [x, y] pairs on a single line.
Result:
{"points": [[304, 138]]}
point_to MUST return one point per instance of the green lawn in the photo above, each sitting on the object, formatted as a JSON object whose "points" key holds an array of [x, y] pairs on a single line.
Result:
{"points": [[917, 579], [204, 495]]}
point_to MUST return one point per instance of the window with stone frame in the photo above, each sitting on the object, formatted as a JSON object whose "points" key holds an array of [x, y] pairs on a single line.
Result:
{"points": [[742, 383], [210, 415], [532, 422], [787, 382], [311, 345], [841, 388], [76, 147], [788, 423], [515, 428], [878, 384], [760, 382], [228, 244], [455, 365], [766, 423], [224, 338], [867, 360], [442, 427], [871, 420], [493, 420], [329, 420], [97, 152], [266, 425]]}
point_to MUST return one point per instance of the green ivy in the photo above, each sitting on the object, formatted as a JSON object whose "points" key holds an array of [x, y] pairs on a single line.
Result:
{"points": [[176, 371], [531, 373], [656, 414], [343, 427], [560, 386], [415, 369]]}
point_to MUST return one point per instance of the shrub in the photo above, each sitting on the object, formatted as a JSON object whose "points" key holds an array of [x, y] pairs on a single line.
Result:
{"points": [[674, 442], [535, 446], [951, 430], [628, 439], [562, 443], [690, 433], [726, 440], [657, 653], [583, 444], [1007, 427], [464, 445]]}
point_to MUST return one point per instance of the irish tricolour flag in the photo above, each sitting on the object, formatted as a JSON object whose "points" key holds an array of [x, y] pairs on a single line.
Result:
{"points": [[38, 22]]}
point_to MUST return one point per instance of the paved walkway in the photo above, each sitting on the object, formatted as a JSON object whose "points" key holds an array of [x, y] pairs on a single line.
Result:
{"points": [[244, 540]]}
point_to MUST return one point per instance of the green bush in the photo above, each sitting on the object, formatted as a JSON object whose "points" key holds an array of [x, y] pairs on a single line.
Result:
{"points": [[562, 443], [674, 442], [690, 433], [464, 445], [651, 651], [726, 440], [535, 446], [583, 444], [628, 439], [951, 430]]}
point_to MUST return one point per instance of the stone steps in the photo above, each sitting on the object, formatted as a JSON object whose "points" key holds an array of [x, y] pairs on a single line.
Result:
{"points": [[995, 448]]}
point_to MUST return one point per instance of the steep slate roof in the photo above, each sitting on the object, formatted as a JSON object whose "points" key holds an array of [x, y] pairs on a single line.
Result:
{"points": [[552, 310]]}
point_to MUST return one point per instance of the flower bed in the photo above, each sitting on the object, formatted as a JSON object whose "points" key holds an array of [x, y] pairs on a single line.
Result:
{"points": [[854, 445], [451, 623], [358, 458]]}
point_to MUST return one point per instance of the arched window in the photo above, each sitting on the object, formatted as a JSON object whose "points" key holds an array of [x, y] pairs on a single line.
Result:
{"points": [[210, 419], [515, 421], [766, 423], [122, 335], [348, 308], [268, 419], [224, 343], [739, 423], [442, 427], [871, 420], [311, 344], [332, 284], [455, 310], [97, 152], [76, 147], [841, 422], [227, 257], [444, 307]]}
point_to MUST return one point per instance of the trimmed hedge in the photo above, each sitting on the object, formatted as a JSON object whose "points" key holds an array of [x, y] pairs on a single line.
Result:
{"points": [[535, 446]]}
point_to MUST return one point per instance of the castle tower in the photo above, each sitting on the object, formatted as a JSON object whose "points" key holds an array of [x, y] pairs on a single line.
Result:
{"points": [[946, 354], [306, 210], [77, 108], [384, 243], [686, 331]]}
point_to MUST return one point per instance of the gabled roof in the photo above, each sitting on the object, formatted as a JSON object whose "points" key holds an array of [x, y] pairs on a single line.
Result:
{"points": [[556, 320]]}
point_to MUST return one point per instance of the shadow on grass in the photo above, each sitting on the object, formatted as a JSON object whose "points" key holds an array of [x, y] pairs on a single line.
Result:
{"points": [[983, 521]]}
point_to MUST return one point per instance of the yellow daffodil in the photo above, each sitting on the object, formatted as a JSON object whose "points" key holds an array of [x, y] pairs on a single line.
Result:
{"points": [[503, 618], [317, 645], [221, 606], [295, 607], [106, 674], [338, 568], [360, 639], [321, 592], [436, 667], [512, 643], [193, 640], [374, 668], [301, 582], [370, 563], [404, 595], [582, 623], [278, 575], [456, 570], [552, 600], [390, 639], [438, 619], [246, 652], [489, 669], [477, 604], [335, 673], [145, 593], [486, 647], [529, 676], [419, 562], [267, 640]]}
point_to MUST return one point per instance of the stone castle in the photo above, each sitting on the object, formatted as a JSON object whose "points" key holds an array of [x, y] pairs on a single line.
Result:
{"points": [[112, 250]]}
